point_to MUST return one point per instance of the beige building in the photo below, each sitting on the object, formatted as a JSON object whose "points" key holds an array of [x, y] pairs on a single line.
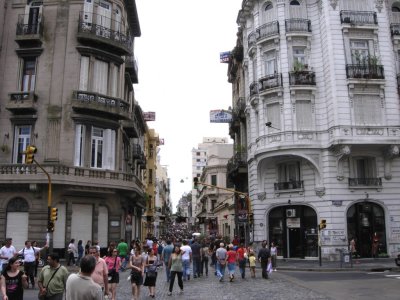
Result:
{"points": [[66, 86]]}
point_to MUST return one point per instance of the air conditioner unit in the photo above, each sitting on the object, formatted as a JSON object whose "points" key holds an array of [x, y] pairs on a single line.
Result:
{"points": [[291, 213]]}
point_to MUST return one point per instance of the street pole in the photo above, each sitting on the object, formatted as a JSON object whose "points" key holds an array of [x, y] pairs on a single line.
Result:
{"points": [[319, 247], [49, 234]]}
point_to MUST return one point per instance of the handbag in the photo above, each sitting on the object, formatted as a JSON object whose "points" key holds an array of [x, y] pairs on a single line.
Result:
{"points": [[112, 272], [43, 296]]}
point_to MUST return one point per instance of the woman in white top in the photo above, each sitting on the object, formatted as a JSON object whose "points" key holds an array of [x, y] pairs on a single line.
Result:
{"points": [[274, 252], [72, 252]]}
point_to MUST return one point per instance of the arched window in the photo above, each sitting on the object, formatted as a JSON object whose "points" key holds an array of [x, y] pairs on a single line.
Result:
{"points": [[396, 7], [17, 205], [268, 6], [294, 2]]}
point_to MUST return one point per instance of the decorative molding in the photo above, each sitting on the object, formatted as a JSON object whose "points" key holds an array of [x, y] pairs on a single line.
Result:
{"points": [[389, 154], [320, 191], [333, 3], [261, 196], [379, 5], [341, 152]]}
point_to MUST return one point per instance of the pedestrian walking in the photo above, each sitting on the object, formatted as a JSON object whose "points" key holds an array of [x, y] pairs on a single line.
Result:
{"points": [[176, 266], [196, 258], [264, 256], [274, 253], [221, 256], [151, 272], [165, 255], [87, 246], [81, 251], [252, 264], [205, 253], [136, 264], [13, 281], [123, 249], [6, 252], [113, 262], [353, 247], [100, 274], [52, 279], [231, 260], [37, 258], [186, 259], [29, 256], [241, 255], [72, 252], [81, 286]]}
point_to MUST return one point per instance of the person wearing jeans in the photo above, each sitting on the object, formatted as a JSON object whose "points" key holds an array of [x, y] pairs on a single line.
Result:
{"points": [[165, 255], [186, 259], [221, 255], [205, 254]]}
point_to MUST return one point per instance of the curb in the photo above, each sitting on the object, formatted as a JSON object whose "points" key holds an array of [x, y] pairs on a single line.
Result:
{"points": [[347, 269]]}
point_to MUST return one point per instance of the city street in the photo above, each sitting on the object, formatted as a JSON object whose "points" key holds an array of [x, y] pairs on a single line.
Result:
{"points": [[281, 285]]}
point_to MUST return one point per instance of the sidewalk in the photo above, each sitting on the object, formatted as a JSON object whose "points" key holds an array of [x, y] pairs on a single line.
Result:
{"points": [[359, 264]]}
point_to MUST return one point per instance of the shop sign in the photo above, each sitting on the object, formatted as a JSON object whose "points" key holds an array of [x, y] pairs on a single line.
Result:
{"points": [[293, 222]]}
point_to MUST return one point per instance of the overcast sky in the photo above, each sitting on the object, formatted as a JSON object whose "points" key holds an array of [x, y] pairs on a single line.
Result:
{"points": [[181, 78]]}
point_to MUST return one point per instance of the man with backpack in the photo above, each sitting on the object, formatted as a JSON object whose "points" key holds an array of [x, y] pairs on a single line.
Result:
{"points": [[264, 257]]}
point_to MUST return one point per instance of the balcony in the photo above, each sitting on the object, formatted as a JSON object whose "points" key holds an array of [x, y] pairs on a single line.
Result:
{"points": [[22, 102], [75, 177], [269, 82], [365, 71], [29, 33], [131, 126], [302, 78], [363, 182], [103, 37], [98, 104], [267, 31], [297, 26], [359, 18], [291, 185], [395, 30], [237, 165], [132, 68], [136, 151]]}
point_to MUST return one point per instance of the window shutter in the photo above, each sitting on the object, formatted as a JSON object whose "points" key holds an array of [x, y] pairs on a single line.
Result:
{"points": [[274, 116], [367, 110], [109, 145], [303, 115], [84, 74], [79, 145]]}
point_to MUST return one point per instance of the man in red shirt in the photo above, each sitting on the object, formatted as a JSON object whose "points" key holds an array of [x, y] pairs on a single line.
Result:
{"points": [[241, 258]]}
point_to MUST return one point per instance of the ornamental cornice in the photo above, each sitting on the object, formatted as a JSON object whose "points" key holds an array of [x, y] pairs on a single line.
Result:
{"points": [[333, 3], [379, 5]]}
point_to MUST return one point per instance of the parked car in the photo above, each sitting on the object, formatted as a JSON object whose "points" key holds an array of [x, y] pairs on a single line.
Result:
{"points": [[397, 260]]}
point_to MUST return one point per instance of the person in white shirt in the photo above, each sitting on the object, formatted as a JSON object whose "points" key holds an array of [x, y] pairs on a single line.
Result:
{"points": [[29, 254], [6, 252], [186, 259]]}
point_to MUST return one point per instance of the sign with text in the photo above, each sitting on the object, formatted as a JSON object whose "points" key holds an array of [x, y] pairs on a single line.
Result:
{"points": [[224, 57], [293, 222], [220, 116], [149, 116]]}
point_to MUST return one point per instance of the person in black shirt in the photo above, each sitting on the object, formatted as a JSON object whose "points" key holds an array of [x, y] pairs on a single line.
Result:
{"points": [[264, 257]]}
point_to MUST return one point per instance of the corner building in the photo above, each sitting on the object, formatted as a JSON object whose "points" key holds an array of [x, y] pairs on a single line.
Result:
{"points": [[66, 86], [322, 116]]}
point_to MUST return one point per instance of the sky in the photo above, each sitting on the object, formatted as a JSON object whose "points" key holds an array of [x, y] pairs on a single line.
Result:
{"points": [[181, 78]]}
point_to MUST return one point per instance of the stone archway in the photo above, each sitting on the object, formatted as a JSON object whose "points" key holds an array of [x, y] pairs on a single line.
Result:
{"points": [[363, 220]]}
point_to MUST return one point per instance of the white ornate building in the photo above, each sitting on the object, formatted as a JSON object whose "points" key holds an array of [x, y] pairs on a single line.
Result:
{"points": [[323, 126]]}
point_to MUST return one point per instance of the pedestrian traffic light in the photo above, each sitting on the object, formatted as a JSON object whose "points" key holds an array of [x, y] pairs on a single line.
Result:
{"points": [[29, 154], [50, 226], [195, 183], [322, 224], [53, 214]]}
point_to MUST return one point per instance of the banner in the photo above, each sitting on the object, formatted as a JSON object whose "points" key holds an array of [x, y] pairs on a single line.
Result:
{"points": [[149, 116], [220, 116], [241, 208], [224, 57]]}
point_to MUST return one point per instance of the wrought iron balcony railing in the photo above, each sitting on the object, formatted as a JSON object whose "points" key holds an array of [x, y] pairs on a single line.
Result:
{"points": [[298, 25], [25, 27], [365, 181], [103, 32], [136, 151], [395, 29], [291, 185], [267, 30], [358, 17], [270, 81], [365, 71], [302, 78]]}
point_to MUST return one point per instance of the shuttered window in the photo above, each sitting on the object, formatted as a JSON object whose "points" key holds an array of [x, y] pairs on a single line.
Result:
{"points": [[274, 116], [304, 115], [367, 110]]}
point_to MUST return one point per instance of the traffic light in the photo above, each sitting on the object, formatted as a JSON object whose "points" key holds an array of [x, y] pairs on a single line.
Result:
{"points": [[322, 224], [50, 226], [195, 183], [29, 154], [53, 214]]}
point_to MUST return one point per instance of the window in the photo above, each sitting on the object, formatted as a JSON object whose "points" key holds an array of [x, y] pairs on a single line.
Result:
{"points": [[22, 138], [289, 172], [198, 153], [294, 2], [367, 110], [274, 116], [84, 73], [270, 63], [198, 160], [299, 55], [254, 64], [150, 176], [114, 81], [151, 151], [28, 74], [102, 147], [213, 179], [100, 80], [364, 167], [268, 6], [359, 51], [304, 115], [198, 174]]}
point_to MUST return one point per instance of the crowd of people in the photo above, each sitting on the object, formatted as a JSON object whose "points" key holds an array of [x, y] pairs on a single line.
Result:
{"points": [[185, 257]]}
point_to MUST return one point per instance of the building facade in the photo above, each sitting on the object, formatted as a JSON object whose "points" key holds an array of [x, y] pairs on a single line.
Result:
{"points": [[66, 86], [320, 87]]}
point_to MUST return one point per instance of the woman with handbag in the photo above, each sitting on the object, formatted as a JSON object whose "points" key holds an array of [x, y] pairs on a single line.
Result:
{"points": [[113, 262], [13, 281], [136, 264], [151, 272]]}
